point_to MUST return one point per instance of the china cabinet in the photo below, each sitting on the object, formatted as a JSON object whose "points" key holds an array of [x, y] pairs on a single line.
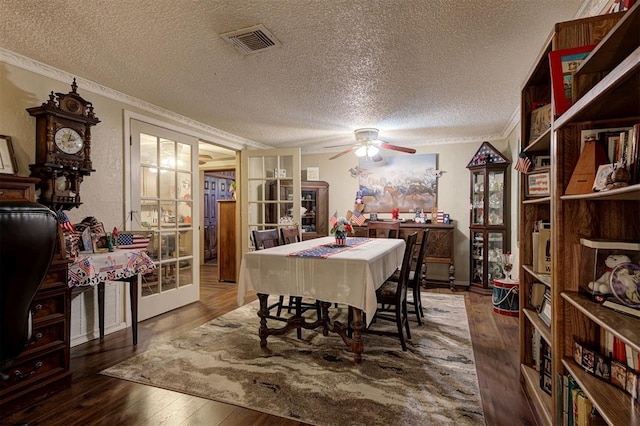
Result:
{"points": [[489, 230], [314, 207]]}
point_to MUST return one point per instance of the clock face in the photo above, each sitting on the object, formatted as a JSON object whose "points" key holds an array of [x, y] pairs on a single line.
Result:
{"points": [[68, 140]]}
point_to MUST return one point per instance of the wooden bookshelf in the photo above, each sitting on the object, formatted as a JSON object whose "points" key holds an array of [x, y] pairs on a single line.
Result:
{"points": [[607, 86]]}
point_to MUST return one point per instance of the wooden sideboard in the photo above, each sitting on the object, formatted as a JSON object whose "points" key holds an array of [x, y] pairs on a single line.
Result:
{"points": [[440, 248], [43, 366]]}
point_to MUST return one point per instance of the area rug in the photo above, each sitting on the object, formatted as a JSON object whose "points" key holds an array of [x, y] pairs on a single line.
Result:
{"points": [[314, 380]]}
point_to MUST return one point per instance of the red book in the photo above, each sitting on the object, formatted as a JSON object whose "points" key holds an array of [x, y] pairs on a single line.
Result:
{"points": [[619, 350]]}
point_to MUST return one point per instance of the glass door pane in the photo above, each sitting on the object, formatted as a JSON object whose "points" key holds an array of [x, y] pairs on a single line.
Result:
{"points": [[477, 257], [495, 247], [271, 180], [496, 197], [164, 201], [477, 202]]}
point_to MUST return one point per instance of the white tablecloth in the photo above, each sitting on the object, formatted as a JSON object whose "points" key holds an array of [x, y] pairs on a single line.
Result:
{"points": [[350, 277]]}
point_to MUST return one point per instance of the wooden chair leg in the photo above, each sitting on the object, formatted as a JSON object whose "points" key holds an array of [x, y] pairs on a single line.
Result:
{"points": [[406, 319], [298, 303], [280, 303], [416, 304]]}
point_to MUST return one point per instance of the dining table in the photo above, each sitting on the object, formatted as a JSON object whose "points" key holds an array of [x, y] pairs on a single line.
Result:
{"points": [[319, 269]]}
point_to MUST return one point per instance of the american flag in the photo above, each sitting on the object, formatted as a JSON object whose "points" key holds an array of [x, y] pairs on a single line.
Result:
{"points": [[358, 218], [65, 223], [133, 241], [334, 219], [523, 165]]}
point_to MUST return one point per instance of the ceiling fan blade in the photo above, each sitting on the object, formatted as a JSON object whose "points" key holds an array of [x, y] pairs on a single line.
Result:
{"points": [[339, 146], [343, 152], [376, 158], [397, 148]]}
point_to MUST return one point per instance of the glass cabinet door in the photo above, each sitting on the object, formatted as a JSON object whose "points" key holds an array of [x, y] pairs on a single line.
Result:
{"points": [[496, 206], [477, 198], [495, 247], [477, 257], [309, 209]]}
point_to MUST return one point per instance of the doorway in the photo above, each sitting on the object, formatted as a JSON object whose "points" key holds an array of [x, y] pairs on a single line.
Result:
{"points": [[216, 187]]}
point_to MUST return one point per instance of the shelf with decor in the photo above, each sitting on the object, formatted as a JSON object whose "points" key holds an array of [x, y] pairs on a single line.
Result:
{"points": [[570, 217]]}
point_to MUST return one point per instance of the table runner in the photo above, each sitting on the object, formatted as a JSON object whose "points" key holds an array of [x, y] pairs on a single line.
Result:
{"points": [[325, 250]]}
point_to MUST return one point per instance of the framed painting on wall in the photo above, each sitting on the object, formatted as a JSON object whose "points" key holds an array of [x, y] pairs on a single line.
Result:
{"points": [[403, 182]]}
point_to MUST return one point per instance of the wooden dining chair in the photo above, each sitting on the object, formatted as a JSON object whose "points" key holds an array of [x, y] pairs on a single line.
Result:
{"points": [[415, 277], [380, 229], [264, 239], [290, 234], [392, 298]]}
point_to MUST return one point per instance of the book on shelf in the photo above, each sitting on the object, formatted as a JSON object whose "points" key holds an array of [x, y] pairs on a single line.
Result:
{"points": [[577, 409], [542, 253], [616, 305]]}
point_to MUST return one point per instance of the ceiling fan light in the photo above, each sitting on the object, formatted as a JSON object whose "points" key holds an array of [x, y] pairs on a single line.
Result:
{"points": [[362, 151], [372, 150]]}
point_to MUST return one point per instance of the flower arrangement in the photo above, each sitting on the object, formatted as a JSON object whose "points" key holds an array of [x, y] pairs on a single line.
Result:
{"points": [[342, 227]]}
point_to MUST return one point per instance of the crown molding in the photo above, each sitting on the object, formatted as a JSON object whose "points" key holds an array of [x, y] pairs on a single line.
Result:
{"points": [[211, 134]]}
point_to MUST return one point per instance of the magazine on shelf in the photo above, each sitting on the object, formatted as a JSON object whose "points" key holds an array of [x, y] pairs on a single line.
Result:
{"points": [[616, 305], [610, 244]]}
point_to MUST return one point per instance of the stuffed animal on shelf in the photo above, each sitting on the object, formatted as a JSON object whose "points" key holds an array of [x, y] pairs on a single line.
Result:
{"points": [[601, 285]]}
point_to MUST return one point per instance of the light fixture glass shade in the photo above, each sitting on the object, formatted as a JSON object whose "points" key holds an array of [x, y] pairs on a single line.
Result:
{"points": [[372, 150], [362, 151]]}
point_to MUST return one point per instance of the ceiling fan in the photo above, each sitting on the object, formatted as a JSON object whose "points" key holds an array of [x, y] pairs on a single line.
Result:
{"points": [[368, 145]]}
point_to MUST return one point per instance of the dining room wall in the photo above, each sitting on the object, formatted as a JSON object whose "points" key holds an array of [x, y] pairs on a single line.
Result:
{"points": [[452, 194]]}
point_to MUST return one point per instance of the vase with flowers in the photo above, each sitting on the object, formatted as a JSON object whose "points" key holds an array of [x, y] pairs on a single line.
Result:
{"points": [[341, 228]]}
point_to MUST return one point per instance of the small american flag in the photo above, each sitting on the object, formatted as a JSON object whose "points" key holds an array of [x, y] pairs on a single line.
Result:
{"points": [[133, 241], [65, 223], [358, 218], [523, 165], [334, 219]]}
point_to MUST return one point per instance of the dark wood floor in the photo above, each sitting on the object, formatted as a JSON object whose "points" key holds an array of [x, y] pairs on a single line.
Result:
{"points": [[96, 399]]}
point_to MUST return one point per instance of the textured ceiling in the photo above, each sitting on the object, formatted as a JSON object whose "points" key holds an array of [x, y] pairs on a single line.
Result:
{"points": [[422, 72]]}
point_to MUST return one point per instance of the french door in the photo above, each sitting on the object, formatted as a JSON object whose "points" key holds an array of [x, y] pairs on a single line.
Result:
{"points": [[164, 180], [265, 201]]}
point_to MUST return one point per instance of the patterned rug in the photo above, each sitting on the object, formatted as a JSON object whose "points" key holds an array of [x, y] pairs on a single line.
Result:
{"points": [[314, 380]]}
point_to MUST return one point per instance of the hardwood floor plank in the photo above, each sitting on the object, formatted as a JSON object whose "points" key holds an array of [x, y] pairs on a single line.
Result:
{"points": [[96, 399]]}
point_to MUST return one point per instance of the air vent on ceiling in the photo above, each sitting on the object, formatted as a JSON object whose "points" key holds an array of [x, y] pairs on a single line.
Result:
{"points": [[251, 40]]}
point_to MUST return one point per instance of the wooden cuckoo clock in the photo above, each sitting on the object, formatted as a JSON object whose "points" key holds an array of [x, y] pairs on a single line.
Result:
{"points": [[63, 147]]}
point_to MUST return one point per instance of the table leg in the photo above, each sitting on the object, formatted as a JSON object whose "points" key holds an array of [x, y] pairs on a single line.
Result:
{"points": [[133, 295], [101, 309], [452, 273], [357, 345], [263, 312]]}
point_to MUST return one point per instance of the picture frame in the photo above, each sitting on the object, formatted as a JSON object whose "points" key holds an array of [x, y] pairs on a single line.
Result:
{"points": [[538, 184], [619, 374], [588, 360], [600, 182], [542, 161], [100, 243], [540, 121], [545, 310], [8, 163], [563, 64]]}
